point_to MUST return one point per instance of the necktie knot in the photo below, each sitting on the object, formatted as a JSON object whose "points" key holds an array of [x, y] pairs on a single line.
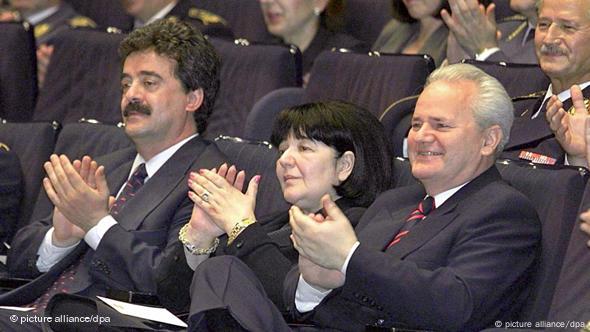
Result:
{"points": [[427, 205]]}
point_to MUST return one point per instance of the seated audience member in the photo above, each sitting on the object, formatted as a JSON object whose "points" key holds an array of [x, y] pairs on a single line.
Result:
{"points": [[474, 32], [49, 18], [552, 133], [455, 252], [11, 192], [312, 26], [169, 82], [148, 11], [416, 28], [332, 148]]}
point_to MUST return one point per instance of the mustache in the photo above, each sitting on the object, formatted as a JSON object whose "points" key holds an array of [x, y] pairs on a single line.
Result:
{"points": [[137, 108], [552, 49]]}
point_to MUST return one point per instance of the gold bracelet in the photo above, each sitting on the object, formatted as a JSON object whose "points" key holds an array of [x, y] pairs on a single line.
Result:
{"points": [[191, 247], [238, 228]]}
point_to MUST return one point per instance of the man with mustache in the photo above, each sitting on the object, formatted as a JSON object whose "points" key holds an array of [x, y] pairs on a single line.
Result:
{"points": [[117, 219], [551, 128]]}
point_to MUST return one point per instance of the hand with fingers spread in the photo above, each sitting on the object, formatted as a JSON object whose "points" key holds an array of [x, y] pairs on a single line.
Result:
{"points": [[324, 241], [202, 230], [221, 198], [65, 233], [569, 129], [472, 24], [82, 203]]}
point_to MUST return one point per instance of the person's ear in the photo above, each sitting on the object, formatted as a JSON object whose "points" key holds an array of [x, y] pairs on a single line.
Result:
{"points": [[491, 139], [319, 6], [345, 165], [194, 100]]}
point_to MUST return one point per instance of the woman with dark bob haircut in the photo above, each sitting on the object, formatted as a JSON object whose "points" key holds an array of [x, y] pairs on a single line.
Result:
{"points": [[333, 148]]}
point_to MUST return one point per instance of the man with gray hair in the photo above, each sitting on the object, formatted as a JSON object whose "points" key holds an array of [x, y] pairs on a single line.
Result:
{"points": [[454, 252]]}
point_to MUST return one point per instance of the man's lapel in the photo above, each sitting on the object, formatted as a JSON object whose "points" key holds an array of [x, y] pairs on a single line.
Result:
{"points": [[160, 185]]}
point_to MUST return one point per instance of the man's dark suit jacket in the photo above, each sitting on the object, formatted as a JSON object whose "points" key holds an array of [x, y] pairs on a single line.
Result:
{"points": [[465, 266], [11, 192], [131, 251], [535, 135]]}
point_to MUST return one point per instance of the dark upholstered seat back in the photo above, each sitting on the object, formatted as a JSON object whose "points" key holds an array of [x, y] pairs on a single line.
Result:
{"points": [[248, 72], [18, 72], [371, 81], [33, 142], [83, 78], [364, 19]]}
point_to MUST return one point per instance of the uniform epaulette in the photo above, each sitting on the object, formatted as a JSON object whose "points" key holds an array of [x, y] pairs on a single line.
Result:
{"points": [[81, 22], [513, 18], [41, 29], [530, 96], [4, 146], [206, 16]]}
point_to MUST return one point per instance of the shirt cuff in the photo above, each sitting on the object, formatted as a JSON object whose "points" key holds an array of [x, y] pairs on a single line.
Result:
{"points": [[96, 233], [352, 250], [50, 254], [307, 297], [486, 53]]}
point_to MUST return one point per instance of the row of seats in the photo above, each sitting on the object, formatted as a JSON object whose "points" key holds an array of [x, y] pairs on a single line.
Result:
{"points": [[82, 82], [559, 193]]}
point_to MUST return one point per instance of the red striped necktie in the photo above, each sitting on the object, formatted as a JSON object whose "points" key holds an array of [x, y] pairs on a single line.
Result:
{"points": [[131, 187], [424, 208]]}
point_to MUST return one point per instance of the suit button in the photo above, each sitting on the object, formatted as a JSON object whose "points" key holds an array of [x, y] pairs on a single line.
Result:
{"points": [[365, 299], [239, 244], [380, 322]]}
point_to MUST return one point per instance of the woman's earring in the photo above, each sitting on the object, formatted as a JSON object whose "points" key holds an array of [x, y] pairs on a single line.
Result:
{"points": [[316, 11]]}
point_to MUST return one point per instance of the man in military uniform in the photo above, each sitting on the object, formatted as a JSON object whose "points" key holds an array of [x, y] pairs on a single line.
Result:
{"points": [[147, 11], [49, 17], [474, 31]]}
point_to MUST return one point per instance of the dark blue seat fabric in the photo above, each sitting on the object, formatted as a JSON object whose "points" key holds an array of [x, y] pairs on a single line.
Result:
{"points": [[373, 81], [397, 120], [33, 142], [18, 72], [518, 79], [83, 78], [248, 72]]}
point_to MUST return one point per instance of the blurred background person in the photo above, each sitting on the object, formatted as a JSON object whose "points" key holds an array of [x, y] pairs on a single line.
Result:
{"points": [[416, 28], [311, 25]]}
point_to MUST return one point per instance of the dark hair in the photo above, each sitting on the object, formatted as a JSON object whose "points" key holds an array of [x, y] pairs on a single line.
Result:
{"points": [[332, 18], [344, 127], [400, 12], [197, 63]]}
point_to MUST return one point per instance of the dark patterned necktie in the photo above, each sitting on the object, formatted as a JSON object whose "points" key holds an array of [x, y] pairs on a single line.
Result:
{"points": [[67, 276], [424, 208], [131, 187]]}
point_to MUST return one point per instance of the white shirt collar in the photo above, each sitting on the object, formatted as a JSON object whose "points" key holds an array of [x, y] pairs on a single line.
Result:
{"points": [[37, 17], [160, 14], [154, 164], [440, 198]]}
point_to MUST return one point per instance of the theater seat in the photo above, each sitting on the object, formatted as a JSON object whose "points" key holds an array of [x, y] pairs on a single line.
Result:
{"points": [[33, 142], [248, 72], [83, 78], [373, 81], [518, 79], [397, 120], [257, 158], [18, 72]]}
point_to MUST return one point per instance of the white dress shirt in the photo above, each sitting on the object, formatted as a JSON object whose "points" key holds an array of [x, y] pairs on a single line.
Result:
{"points": [[49, 254]]}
